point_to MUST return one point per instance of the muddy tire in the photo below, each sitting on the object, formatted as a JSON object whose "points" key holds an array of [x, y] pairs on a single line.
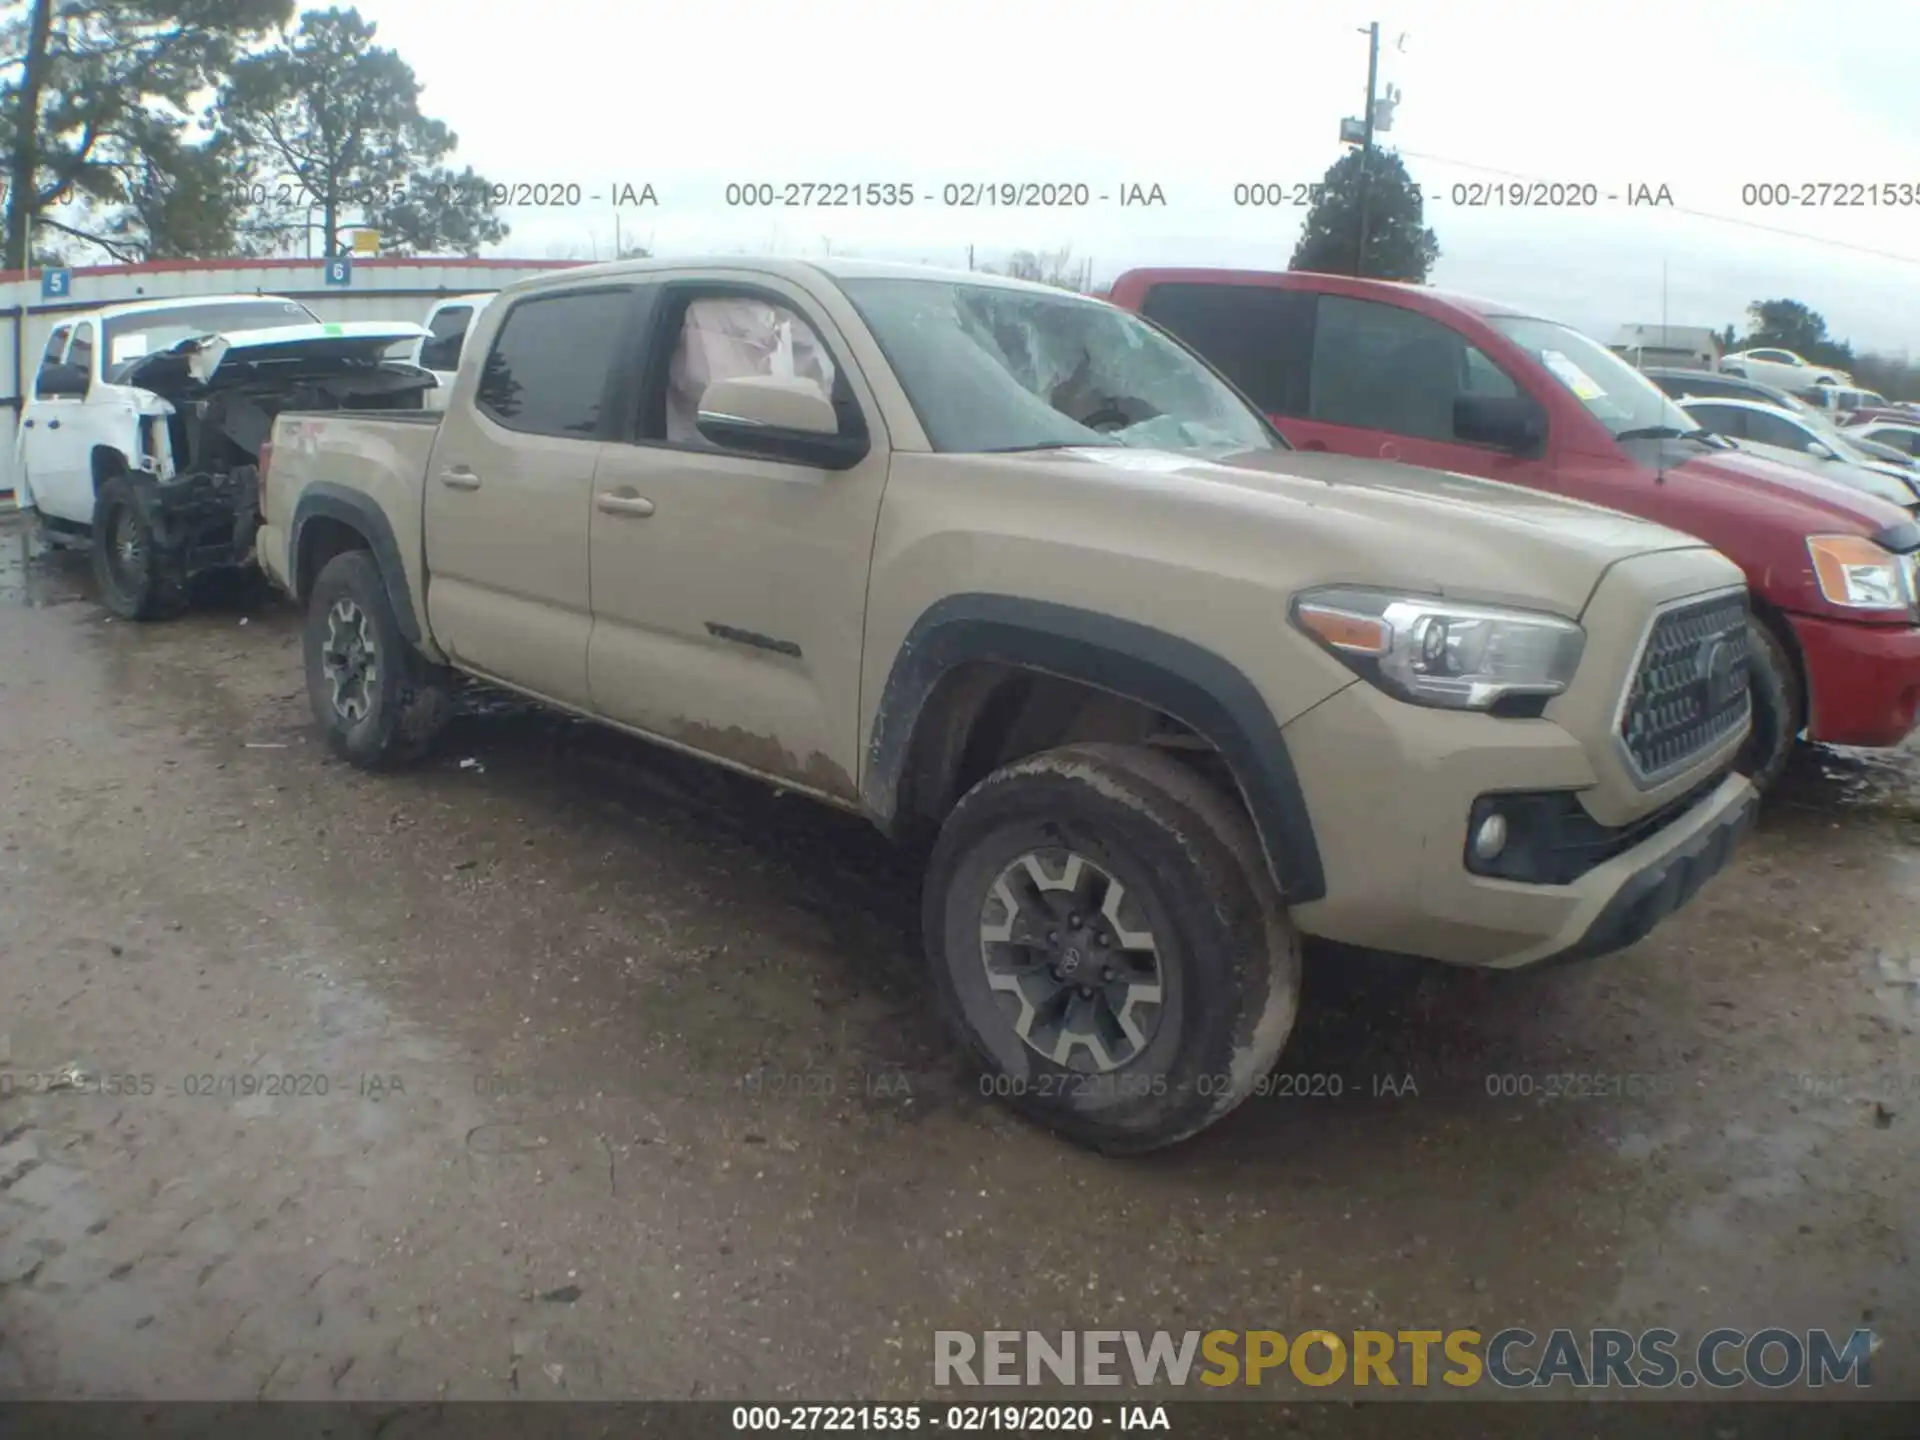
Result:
{"points": [[133, 580], [1107, 945], [1778, 713], [379, 700]]}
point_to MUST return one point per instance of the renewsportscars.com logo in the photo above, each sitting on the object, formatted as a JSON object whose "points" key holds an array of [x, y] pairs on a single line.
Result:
{"points": [[1512, 1359]]}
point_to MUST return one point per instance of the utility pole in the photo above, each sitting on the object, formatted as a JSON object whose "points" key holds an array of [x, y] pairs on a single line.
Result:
{"points": [[1366, 145]]}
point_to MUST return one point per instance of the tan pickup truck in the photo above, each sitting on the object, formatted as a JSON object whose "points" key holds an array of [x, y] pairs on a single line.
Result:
{"points": [[1005, 569]]}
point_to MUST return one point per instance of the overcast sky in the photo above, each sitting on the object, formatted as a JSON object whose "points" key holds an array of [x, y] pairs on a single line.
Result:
{"points": [[1198, 95]]}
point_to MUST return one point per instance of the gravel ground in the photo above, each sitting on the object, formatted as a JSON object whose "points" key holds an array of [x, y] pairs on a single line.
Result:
{"points": [[612, 1075]]}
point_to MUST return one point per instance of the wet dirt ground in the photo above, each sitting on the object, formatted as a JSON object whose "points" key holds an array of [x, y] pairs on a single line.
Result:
{"points": [[610, 1075]]}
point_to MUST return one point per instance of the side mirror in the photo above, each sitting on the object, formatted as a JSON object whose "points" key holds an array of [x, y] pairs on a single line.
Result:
{"points": [[62, 382], [778, 419], [1513, 423]]}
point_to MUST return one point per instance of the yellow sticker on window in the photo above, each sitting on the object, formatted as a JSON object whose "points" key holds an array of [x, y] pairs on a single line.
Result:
{"points": [[1571, 375]]}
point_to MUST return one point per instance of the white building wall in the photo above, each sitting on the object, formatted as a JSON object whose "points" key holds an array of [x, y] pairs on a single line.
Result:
{"points": [[380, 289]]}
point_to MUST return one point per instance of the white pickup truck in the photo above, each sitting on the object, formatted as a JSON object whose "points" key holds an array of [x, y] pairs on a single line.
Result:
{"points": [[439, 349], [142, 437]]}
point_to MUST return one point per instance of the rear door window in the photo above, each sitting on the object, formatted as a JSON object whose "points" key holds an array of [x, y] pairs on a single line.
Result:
{"points": [[553, 362], [1258, 337]]}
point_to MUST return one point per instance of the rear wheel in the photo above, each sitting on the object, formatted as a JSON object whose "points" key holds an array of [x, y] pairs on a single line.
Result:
{"points": [[1778, 712], [379, 700], [133, 579], [1107, 944]]}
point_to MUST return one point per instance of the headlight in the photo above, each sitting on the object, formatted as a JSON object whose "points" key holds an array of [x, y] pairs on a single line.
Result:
{"points": [[1856, 573], [1435, 652]]}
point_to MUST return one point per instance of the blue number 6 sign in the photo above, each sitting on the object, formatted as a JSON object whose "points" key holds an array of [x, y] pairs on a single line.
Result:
{"points": [[340, 271]]}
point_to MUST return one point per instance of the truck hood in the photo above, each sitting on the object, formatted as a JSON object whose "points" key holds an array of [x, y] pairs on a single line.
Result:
{"points": [[1814, 502], [1485, 539], [283, 349]]}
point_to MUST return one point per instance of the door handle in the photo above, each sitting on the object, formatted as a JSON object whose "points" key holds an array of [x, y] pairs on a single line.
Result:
{"points": [[460, 479], [624, 502], [53, 424], [1389, 451], [29, 424], [1314, 445]]}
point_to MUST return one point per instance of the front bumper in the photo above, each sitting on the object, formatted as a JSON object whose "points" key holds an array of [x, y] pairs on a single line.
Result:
{"points": [[1663, 885], [1390, 789], [1863, 681], [201, 521]]}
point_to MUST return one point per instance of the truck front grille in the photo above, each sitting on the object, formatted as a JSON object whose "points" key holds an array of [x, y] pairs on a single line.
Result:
{"points": [[1689, 689]]}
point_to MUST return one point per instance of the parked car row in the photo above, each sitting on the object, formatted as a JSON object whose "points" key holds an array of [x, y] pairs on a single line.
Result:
{"points": [[1810, 441]]}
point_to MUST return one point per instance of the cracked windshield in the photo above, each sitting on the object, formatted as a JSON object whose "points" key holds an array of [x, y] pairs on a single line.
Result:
{"points": [[994, 368]]}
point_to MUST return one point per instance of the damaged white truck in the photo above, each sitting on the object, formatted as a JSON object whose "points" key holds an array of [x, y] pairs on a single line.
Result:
{"points": [[141, 440]]}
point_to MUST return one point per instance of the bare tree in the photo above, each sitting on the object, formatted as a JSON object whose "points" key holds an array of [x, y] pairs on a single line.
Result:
{"points": [[1046, 267]]}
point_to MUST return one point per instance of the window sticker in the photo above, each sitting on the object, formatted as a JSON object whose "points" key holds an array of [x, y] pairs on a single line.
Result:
{"points": [[1571, 375]]}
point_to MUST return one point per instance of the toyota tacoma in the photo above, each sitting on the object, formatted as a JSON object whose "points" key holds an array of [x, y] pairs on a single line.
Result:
{"points": [[1015, 575]]}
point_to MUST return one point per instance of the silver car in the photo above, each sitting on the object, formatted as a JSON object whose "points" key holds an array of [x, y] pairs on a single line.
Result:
{"points": [[1807, 441]]}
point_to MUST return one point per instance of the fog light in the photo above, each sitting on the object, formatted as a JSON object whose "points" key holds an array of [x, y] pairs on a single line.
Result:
{"points": [[1491, 838]]}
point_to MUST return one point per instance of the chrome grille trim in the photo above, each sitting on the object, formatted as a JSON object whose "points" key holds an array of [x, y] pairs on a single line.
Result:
{"points": [[1668, 716]]}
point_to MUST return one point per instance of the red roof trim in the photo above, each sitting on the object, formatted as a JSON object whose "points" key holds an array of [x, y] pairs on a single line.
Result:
{"points": [[159, 267]]}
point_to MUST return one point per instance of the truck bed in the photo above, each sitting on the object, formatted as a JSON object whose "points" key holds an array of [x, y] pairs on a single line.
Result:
{"points": [[397, 417], [380, 456]]}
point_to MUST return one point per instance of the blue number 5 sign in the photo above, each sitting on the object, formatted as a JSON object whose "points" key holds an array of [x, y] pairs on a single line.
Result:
{"points": [[340, 271], [55, 284]]}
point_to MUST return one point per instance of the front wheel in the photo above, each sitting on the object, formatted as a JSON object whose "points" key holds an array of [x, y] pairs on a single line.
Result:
{"points": [[1106, 942], [379, 700], [134, 579], [1779, 715]]}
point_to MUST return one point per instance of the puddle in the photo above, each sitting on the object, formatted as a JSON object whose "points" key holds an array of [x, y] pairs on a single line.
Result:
{"points": [[33, 574], [1836, 780]]}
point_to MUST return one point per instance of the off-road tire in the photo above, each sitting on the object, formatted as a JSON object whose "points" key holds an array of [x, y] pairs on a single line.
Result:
{"points": [[134, 580], [405, 700], [1194, 872], [1779, 715]]}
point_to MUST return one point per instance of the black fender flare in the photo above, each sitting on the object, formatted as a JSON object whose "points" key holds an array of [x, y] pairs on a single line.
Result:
{"points": [[350, 507], [1185, 680]]}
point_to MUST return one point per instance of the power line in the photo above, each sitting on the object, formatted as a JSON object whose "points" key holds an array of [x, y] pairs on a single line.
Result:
{"points": [[1684, 210]]}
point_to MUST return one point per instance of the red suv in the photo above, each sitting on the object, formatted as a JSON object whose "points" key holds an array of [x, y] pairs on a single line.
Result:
{"points": [[1402, 372]]}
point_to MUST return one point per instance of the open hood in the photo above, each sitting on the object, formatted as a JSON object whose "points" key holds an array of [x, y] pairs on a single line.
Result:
{"points": [[284, 350]]}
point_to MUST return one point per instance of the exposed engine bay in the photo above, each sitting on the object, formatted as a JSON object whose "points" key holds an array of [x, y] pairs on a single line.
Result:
{"points": [[197, 477]]}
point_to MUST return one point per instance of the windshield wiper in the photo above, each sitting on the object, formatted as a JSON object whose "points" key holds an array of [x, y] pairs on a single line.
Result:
{"points": [[1709, 438], [1055, 445]]}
